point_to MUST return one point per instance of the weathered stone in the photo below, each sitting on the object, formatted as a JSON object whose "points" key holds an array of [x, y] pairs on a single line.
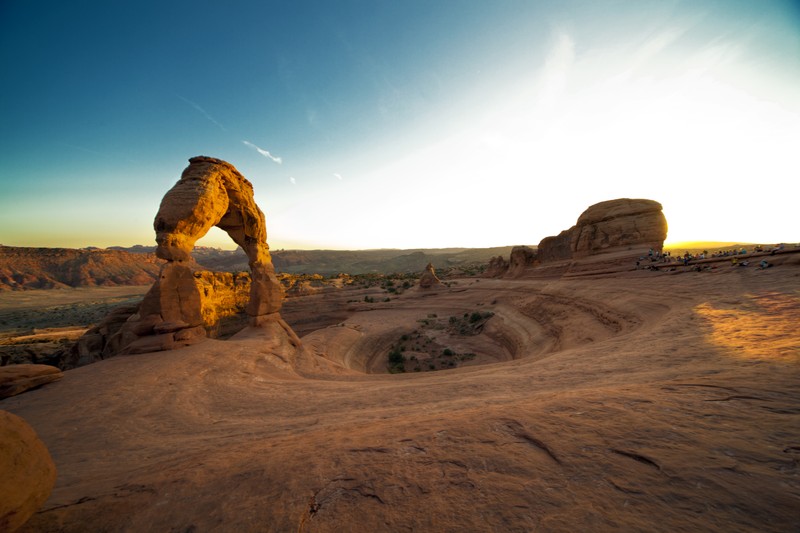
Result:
{"points": [[428, 278], [521, 258], [27, 472], [269, 323], [151, 343], [619, 225], [184, 304], [497, 267], [190, 334], [170, 327], [555, 248], [616, 225], [16, 379], [211, 192], [222, 296]]}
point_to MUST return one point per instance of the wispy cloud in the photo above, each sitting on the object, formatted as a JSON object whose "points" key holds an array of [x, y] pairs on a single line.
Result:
{"points": [[202, 111], [263, 152], [556, 70], [337, 176], [293, 181]]}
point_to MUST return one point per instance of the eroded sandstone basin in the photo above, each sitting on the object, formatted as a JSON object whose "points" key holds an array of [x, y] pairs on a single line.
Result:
{"points": [[670, 403]]}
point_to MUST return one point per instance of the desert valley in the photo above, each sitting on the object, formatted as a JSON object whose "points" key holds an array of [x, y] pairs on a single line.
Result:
{"points": [[594, 382]]}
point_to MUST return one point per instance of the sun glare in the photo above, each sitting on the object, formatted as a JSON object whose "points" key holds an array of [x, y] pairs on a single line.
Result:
{"points": [[760, 327]]}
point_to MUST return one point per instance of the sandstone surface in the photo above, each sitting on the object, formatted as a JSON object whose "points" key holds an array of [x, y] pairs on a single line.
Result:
{"points": [[497, 267], [522, 258], [210, 192], [27, 472], [625, 401], [16, 379], [625, 224], [428, 278]]}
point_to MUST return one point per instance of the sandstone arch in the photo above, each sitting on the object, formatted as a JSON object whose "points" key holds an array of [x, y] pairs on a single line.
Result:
{"points": [[210, 192]]}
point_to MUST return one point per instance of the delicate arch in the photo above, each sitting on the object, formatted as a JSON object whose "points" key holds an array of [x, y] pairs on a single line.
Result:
{"points": [[211, 192]]}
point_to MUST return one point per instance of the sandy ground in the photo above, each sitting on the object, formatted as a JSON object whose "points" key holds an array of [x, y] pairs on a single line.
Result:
{"points": [[640, 401], [25, 310], [36, 326]]}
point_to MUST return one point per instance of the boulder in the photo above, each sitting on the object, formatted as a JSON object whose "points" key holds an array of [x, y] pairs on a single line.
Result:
{"points": [[27, 472], [16, 379]]}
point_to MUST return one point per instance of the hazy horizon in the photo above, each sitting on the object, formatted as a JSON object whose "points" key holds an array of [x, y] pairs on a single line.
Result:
{"points": [[402, 125], [234, 247]]}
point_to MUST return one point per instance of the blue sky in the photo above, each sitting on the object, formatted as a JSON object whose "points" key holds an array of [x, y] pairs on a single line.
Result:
{"points": [[368, 124]]}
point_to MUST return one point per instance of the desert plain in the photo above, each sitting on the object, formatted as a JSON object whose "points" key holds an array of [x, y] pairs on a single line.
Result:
{"points": [[605, 400]]}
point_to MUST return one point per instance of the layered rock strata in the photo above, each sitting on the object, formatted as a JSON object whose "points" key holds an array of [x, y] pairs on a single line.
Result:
{"points": [[618, 225], [223, 297], [522, 257], [210, 192], [16, 379]]}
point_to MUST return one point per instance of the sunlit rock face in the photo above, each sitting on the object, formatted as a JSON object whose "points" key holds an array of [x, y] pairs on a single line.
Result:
{"points": [[211, 192], [616, 225], [428, 278], [222, 299], [184, 305]]}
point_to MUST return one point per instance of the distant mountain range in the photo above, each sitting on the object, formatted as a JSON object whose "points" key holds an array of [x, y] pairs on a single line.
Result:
{"points": [[56, 268], [48, 268]]}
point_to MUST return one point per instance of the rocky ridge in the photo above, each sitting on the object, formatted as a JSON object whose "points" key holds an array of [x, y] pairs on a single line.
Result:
{"points": [[57, 268]]}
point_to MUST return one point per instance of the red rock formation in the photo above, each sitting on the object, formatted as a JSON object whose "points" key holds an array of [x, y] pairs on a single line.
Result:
{"points": [[428, 278], [56, 268], [611, 226], [222, 298], [555, 248], [210, 192], [497, 267], [27, 472], [522, 257], [16, 379]]}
